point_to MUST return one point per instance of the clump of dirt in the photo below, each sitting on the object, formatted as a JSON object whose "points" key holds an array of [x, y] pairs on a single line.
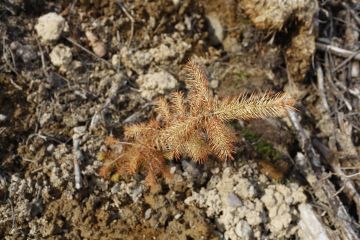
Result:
{"points": [[246, 205], [292, 16]]}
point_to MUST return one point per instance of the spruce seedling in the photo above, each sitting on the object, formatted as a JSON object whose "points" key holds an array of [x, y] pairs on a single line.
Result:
{"points": [[195, 126]]}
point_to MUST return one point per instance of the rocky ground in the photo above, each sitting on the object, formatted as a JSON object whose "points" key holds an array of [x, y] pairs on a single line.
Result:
{"points": [[74, 72]]}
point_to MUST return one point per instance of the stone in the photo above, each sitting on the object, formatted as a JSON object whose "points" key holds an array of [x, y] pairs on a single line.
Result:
{"points": [[2, 117], [148, 213], [233, 200], [243, 230]]}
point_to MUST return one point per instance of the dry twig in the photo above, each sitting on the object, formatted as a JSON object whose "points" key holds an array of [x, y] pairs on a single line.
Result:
{"points": [[347, 184], [89, 52], [352, 12], [78, 158], [43, 63], [6, 51], [310, 167], [12, 214], [338, 51], [123, 8]]}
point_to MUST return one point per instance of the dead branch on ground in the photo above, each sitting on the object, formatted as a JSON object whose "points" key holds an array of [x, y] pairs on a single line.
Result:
{"points": [[309, 165]]}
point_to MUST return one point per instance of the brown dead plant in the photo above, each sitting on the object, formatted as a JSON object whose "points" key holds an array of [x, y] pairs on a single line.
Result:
{"points": [[195, 126]]}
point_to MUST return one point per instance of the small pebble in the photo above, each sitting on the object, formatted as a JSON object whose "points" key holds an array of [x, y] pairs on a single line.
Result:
{"points": [[243, 230], [234, 200], [215, 170], [148, 213], [2, 117], [50, 148], [173, 169], [178, 216], [115, 60], [214, 84]]}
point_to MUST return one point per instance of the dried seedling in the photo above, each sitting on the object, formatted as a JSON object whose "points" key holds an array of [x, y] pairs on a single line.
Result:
{"points": [[194, 126]]}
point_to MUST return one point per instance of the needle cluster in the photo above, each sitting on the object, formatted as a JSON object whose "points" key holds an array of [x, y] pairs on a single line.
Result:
{"points": [[195, 126]]}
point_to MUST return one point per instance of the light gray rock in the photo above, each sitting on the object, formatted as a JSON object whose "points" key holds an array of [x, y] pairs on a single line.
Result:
{"points": [[233, 200], [310, 225], [243, 230], [2, 117], [148, 213]]}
